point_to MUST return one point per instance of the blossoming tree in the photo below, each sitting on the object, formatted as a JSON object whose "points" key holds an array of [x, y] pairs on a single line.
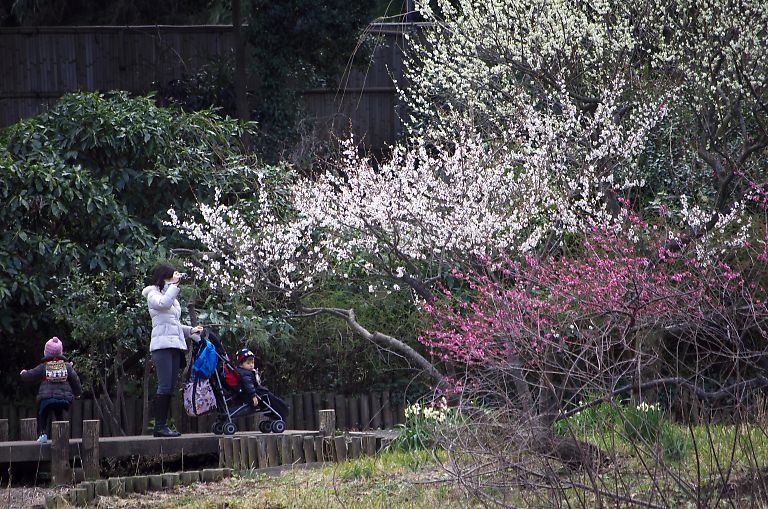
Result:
{"points": [[411, 220], [706, 61]]}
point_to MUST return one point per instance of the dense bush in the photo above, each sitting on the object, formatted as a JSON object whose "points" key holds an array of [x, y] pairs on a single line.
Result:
{"points": [[85, 187]]}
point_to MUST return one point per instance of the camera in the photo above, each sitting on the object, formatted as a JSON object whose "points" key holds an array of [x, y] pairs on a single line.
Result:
{"points": [[183, 275]]}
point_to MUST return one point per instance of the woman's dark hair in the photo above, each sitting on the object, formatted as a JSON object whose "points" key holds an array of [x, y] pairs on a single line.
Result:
{"points": [[160, 274]]}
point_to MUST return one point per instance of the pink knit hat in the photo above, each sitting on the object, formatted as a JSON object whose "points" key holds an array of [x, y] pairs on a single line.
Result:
{"points": [[53, 347]]}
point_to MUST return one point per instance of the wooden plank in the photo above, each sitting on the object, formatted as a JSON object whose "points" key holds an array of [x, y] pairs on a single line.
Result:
{"points": [[90, 457], [114, 447], [60, 468]]}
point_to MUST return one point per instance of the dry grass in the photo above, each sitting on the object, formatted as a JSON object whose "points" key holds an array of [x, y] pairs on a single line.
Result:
{"points": [[393, 480]]}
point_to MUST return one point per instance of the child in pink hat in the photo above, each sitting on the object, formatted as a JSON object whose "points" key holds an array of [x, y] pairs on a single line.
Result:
{"points": [[59, 385]]}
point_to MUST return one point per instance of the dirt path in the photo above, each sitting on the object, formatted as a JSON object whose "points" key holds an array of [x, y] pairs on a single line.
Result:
{"points": [[24, 498]]}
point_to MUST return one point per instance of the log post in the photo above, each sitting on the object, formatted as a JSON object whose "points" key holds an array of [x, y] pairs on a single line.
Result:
{"points": [[297, 445], [286, 453], [261, 451], [90, 455], [375, 410], [320, 452], [327, 422], [235, 444], [353, 412], [309, 449], [28, 429], [60, 468], [297, 410], [273, 456], [365, 412], [340, 444], [386, 410], [340, 403], [245, 460], [355, 447], [369, 445], [4, 430], [253, 457], [306, 399]]}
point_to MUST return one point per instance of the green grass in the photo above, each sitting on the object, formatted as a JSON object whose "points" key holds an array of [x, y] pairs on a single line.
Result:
{"points": [[386, 481]]}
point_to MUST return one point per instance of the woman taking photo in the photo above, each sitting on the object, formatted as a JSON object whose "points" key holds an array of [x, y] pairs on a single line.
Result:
{"points": [[168, 344]]}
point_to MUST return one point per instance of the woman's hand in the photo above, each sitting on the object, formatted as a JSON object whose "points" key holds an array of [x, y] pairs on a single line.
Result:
{"points": [[176, 278], [197, 329]]}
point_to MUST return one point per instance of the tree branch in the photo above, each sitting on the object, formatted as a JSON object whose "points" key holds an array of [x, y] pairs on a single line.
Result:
{"points": [[381, 340]]}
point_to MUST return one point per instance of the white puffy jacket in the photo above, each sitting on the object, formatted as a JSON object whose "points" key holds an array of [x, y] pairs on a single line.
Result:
{"points": [[165, 311]]}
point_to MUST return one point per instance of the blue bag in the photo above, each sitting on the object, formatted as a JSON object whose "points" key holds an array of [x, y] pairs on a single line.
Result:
{"points": [[205, 363]]}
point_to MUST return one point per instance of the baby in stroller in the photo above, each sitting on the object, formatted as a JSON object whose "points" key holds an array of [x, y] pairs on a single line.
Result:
{"points": [[251, 389], [239, 393]]}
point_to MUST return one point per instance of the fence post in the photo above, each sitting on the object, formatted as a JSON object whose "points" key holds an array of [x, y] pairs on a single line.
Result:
{"points": [[60, 468], [309, 449], [365, 412], [28, 429], [90, 456], [327, 422]]}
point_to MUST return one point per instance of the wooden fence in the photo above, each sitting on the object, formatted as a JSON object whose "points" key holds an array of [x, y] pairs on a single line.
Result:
{"points": [[378, 410], [40, 64]]}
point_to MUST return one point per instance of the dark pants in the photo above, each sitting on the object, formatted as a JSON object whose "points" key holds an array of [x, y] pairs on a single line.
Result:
{"points": [[49, 408], [276, 403], [167, 364]]}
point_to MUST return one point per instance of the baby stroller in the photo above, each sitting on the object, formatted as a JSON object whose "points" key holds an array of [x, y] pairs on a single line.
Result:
{"points": [[232, 402]]}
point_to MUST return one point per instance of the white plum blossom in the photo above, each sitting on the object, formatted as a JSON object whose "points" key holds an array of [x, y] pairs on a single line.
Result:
{"points": [[427, 209]]}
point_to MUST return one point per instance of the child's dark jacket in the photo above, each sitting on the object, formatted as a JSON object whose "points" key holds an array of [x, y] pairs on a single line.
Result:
{"points": [[58, 379], [248, 382]]}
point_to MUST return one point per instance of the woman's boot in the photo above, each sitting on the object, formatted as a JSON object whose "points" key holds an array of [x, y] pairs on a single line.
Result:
{"points": [[162, 404]]}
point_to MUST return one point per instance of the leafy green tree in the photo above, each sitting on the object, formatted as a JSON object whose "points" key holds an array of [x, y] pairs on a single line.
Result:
{"points": [[87, 185]]}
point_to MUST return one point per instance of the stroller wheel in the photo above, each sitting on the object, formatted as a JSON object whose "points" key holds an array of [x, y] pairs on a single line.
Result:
{"points": [[218, 428], [230, 428], [265, 426], [278, 426]]}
